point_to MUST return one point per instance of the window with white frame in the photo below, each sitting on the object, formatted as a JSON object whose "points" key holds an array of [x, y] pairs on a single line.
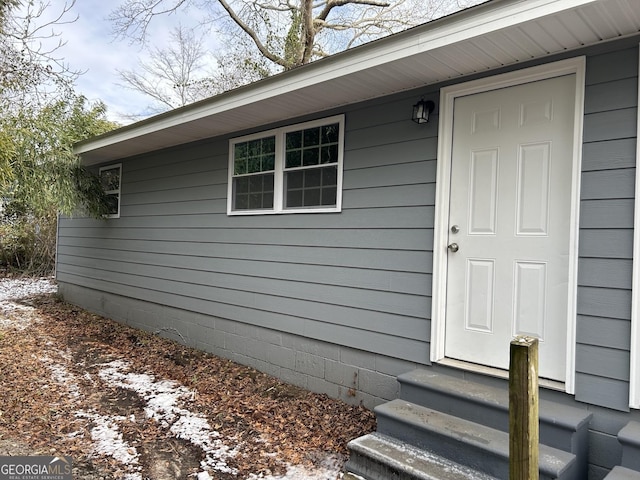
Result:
{"points": [[297, 168], [110, 178]]}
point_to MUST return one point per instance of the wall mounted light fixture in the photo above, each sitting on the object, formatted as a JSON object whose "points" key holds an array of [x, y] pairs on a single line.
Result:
{"points": [[421, 111]]}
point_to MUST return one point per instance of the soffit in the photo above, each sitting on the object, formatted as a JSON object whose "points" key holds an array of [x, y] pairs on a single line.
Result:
{"points": [[492, 35]]}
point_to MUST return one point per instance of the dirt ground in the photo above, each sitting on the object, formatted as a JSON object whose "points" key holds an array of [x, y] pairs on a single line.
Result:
{"points": [[126, 404]]}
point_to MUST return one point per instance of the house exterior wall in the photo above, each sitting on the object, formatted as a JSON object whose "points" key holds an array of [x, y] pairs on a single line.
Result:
{"points": [[606, 229], [340, 303], [359, 279]]}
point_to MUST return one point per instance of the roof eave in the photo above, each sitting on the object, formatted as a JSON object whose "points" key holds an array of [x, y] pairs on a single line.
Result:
{"points": [[476, 22]]}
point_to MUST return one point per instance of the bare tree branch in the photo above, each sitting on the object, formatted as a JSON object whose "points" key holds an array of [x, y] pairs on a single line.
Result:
{"points": [[31, 69], [252, 33], [262, 37]]}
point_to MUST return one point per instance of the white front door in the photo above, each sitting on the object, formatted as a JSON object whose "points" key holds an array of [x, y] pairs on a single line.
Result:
{"points": [[509, 219]]}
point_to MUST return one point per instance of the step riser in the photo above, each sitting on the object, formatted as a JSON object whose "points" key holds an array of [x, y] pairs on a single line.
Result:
{"points": [[379, 457], [487, 462], [487, 414], [374, 470]]}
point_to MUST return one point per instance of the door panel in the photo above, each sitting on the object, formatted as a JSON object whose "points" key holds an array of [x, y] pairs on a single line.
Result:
{"points": [[511, 172]]}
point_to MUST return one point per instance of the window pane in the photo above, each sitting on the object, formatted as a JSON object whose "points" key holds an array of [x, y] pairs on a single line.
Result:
{"points": [[294, 140], [110, 178], [267, 200], [255, 201], [312, 187], [268, 163], [253, 192], [294, 198], [253, 165], [242, 185], [311, 157], [268, 145], [255, 148], [294, 159], [255, 183], [329, 176], [312, 137], [312, 197], [240, 150], [268, 183], [254, 156], [112, 204], [294, 180], [312, 178], [330, 133], [240, 167], [241, 202], [329, 196], [329, 154]]}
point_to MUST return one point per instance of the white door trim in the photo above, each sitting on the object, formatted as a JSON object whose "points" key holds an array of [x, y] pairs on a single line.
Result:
{"points": [[634, 382], [574, 66]]}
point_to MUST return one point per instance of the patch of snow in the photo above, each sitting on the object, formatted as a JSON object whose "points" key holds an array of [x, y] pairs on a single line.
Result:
{"points": [[330, 468], [108, 441], [165, 400], [62, 376], [10, 315], [13, 289], [19, 288]]}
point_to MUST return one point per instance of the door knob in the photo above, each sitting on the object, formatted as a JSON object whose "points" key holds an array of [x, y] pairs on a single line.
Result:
{"points": [[453, 247]]}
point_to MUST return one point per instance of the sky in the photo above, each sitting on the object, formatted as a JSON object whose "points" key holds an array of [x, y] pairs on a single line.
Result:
{"points": [[92, 48]]}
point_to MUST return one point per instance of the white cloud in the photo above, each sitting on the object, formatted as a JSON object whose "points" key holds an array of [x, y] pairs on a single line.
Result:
{"points": [[92, 48]]}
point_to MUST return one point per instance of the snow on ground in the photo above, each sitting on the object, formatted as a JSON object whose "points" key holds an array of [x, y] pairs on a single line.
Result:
{"points": [[329, 469], [17, 288], [14, 289], [166, 401]]}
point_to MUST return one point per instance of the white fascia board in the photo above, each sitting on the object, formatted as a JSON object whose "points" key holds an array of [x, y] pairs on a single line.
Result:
{"points": [[474, 22]]}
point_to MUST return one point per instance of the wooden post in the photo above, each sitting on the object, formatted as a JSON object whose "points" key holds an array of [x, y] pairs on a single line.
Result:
{"points": [[523, 409]]}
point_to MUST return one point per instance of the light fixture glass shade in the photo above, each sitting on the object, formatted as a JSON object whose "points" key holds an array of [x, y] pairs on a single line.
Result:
{"points": [[421, 111]]}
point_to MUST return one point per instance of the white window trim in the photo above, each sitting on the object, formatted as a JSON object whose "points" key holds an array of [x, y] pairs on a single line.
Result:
{"points": [[118, 191], [445, 128], [278, 183], [634, 356]]}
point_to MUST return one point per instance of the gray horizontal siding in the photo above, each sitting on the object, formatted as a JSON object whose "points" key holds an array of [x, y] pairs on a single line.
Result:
{"points": [[338, 275], [360, 278], [240, 285], [163, 240], [606, 235]]}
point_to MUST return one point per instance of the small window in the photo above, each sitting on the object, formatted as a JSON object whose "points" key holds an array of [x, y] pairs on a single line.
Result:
{"points": [[110, 177], [292, 169]]}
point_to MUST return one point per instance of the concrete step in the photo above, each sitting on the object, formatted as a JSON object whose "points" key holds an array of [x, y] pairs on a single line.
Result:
{"points": [[379, 457], [477, 446], [629, 438], [561, 426], [622, 473]]}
